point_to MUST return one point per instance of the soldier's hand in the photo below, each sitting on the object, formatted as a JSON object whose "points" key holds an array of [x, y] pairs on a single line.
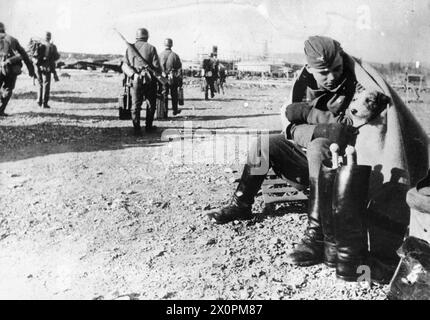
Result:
{"points": [[56, 79], [339, 133]]}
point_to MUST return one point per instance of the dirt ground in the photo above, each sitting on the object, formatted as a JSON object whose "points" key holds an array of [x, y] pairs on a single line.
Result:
{"points": [[89, 211]]}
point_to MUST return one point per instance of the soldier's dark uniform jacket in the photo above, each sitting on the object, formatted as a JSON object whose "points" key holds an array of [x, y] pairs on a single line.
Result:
{"points": [[170, 62], [51, 56], [148, 52], [11, 57], [11, 50]]}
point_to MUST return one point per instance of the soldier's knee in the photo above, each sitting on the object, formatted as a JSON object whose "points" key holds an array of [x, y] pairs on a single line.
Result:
{"points": [[317, 147]]}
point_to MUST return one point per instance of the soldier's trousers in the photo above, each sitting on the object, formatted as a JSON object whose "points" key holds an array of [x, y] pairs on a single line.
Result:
{"points": [[44, 81], [287, 159], [173, 90], [7, 84], [220, 85], [209, 85], [140, 92]]}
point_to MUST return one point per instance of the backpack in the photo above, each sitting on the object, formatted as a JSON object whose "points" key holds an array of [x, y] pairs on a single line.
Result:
{"points": [[4, 47], [36, 50], [5, 52]]}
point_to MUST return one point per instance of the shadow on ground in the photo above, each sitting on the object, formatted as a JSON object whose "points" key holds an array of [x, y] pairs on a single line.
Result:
{"points": [[24, 142], [67, 99]]}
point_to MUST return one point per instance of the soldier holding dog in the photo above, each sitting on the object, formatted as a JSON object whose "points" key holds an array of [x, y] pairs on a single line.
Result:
{"points": [[326, 84]]}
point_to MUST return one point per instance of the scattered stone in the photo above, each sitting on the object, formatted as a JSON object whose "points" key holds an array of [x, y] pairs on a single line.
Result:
{"points": [[169, 295], [211, 242], [232, 180], [165, 205]]}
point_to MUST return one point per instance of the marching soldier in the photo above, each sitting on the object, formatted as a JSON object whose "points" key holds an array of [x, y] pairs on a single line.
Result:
{"points": [[210, 72], [144, 84], [11, 56], [171, 66], [222, 75], [44, 66]]}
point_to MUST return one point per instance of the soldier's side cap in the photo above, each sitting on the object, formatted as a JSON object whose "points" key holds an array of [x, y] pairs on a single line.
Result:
{"points": [[321, 51]]}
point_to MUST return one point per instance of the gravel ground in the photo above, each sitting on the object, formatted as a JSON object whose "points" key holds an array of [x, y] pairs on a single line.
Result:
{"points": [[91, 212]]}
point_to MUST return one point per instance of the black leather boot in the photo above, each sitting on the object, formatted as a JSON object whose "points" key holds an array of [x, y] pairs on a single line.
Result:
{"points": [[350, 192], [311, 249], [242, 200], [326, 182]]}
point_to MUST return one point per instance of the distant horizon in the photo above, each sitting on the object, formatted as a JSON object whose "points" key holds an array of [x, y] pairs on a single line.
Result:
{"points": [[374, 30], [424, 64]]}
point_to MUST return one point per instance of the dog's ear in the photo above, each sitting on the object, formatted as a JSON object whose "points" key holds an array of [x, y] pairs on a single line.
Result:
{"points": [[383, 99]]}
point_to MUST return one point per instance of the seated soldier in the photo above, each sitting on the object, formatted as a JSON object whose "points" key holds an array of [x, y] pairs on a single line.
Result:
{"points": [[328, 85]]}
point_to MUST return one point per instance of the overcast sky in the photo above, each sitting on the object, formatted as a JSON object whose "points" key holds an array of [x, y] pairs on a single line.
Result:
{"points": [[375, 30]]}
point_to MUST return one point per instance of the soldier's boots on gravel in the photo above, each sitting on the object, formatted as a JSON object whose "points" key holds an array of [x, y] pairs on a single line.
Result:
{"points": [[242, 200], [326, 179], [350, 192], [310, 250]]}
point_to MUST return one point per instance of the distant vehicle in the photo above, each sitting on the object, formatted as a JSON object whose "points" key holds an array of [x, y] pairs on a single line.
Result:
{"points": [[104, 65]]}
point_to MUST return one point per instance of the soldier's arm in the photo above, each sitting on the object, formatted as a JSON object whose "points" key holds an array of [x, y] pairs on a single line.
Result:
{"points": [[55, 55], [155, 60], [179, 63], [126, 67], [161, 58], [25, 58]]}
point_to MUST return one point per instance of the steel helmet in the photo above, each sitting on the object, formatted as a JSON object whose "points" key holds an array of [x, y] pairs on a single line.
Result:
{"points": [[142, 34]]}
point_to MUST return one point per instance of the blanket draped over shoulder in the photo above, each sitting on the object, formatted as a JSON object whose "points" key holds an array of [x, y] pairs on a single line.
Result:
{"points": [[397, 149]]}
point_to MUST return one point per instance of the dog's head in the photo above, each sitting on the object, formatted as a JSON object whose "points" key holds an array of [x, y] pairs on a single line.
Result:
{"points": [[366, 105]]}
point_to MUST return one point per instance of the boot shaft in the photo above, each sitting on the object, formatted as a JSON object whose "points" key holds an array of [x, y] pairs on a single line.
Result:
{"points": [[326, 179], [350, 193]]}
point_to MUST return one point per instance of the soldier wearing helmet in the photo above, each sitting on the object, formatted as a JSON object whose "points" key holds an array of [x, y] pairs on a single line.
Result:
{"points": [[144, 85], [210, 72], [11, 57], [45, 66], [171, 66]]}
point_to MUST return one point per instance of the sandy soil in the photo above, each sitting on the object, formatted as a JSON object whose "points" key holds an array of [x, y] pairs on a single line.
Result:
{"points": [[89, 211]]}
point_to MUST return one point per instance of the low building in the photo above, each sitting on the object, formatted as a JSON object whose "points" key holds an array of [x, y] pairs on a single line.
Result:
{"points": [[260, 67]]}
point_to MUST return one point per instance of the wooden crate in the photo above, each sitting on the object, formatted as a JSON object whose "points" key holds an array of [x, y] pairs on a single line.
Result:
{"points": [[277, 190]]}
